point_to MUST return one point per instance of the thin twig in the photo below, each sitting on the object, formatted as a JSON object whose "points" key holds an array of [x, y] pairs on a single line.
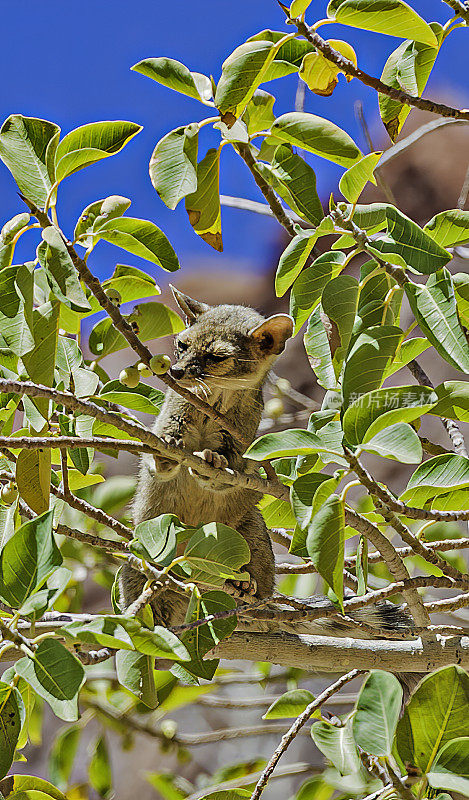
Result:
{"points": [[286, 568], [296, 727], [460, 8]]}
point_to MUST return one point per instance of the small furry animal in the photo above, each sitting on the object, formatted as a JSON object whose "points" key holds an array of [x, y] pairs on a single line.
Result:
{"points": [[224, 356]]}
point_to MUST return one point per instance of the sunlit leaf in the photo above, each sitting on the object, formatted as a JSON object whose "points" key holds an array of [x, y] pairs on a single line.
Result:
{"points": [[203, 205], [173, 164], [377, 713], [27, 147], [317, 135], [90, 143]]}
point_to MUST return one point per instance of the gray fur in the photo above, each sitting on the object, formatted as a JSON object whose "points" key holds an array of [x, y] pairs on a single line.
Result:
{"points": [[224, 355]]}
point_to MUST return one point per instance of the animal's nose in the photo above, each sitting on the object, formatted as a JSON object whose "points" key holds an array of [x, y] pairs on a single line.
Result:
{"points": [[176, 372]]}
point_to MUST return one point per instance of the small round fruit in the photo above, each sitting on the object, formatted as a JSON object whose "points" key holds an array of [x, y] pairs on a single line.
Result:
{"points": [[114, 296], [130, 377], [9, 493], [283, 386], [160, 364], [274, 408], [144, 371]]}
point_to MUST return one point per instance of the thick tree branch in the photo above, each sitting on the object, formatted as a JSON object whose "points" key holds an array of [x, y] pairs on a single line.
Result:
{"points": [[328, 654], [349, 68]]}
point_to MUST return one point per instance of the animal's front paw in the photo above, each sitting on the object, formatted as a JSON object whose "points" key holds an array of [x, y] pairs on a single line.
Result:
{"points": [[244, 590], [212, 457]]}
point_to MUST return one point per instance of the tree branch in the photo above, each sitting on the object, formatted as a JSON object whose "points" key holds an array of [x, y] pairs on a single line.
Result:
{"points": [[329, 654], [286, 568], [349, 68], [124, 327], [393, 561], [461, 9]]}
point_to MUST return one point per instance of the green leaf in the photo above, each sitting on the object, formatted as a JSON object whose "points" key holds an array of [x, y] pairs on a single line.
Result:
{"points": [[292, 261], [142, 238], [367, 361], [453, 400], [151, 320], [302, 494], [203, 205], [16, 309], [289, 57], [217, 553], [60, 271], [438, 476], [317, 135], [12, 715], [40, 362], [409, 241], [96, 214], [374, 411], [8, 234], [338, 745], [436, 714], [28, 559], [392, 17], [242, 73], [62, 755], [298, 7], [377, 713], [173, 164], [143, 398], [372, 218], [28, 787], [434, 307], [325, 543], [407, 68], [449, 228], [409, 350], [174, 75], [322, 75], [284, 443], [90, 143], [32, 473], [355, 179], [201, 640], [157, 537], [99, 769], [27, 147], [259, 114], [105, 631], [339, 302], [308, 287], [135, 672], [56, 675], [318, 350], [290, 704], [450, 770], [398, 442], [299, 180]]}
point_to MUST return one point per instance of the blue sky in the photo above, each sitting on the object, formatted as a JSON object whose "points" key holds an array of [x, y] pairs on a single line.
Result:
{"points": [[70, 63]]}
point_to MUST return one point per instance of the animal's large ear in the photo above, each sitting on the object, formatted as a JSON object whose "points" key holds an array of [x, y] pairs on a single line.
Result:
{"points": [[273, 333], [192, 309]]}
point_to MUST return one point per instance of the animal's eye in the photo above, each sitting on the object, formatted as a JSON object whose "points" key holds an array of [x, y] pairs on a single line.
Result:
{"points": [[182, 346], [216, 358]]}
